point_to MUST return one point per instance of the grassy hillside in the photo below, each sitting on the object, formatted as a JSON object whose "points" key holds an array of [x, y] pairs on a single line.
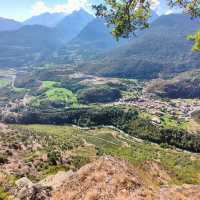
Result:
{"points": [[110, 142], [48, 149], [196, 116], [52, 95]]}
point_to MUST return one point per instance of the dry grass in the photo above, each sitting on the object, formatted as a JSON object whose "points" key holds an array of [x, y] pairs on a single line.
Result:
{"points": [[91, 195], [98, 177], [193, 126]]}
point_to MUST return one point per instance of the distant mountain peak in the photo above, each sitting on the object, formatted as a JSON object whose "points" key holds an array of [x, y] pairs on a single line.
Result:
{"points": [[45, 19], [9, 24], [72, 24]]}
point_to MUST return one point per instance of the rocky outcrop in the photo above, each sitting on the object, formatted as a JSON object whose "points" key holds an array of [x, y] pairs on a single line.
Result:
{"points": [[26, 190], [56, 181], [105, 179]]}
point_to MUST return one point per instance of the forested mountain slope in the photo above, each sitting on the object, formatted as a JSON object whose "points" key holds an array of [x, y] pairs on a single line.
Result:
{"points": [[162, 49], [27, 44], [185, 85], [94, 39]]}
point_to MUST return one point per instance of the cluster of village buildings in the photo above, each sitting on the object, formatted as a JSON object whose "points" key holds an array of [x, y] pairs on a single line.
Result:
{"points": [[15, 106], [178, 108]]}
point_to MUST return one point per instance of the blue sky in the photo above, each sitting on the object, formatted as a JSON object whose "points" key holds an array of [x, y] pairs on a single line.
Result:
{"points": [[23, 9]]}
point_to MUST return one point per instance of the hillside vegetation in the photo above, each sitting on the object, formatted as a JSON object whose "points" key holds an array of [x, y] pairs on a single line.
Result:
{"points": [[185, 85], [50, 155], [58, 83], [109, 142], [127, 119], [51, 94], [99, 95]]}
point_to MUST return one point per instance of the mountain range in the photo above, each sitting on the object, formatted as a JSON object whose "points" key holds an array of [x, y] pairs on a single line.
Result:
{"points": [[9, 24], [45, 19], [29, 44], [71, 25], [161, 50], [94, 39]]}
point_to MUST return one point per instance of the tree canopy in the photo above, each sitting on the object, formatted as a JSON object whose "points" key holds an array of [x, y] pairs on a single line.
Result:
{"points": [[196, 39], [125, 17]]}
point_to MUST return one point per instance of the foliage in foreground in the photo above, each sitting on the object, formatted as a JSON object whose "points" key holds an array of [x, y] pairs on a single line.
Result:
{"points": [[196, 39], [127, 16]]}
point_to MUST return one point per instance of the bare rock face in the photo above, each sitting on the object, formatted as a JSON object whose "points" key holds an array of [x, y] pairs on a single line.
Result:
{"points": [[26, 190], [36, 192], [56, 181], [24, 182]]}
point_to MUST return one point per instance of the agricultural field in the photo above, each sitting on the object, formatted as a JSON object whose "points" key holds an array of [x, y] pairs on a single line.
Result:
{"points": [[50, 93], [6, 77], [3, 83], [46, 85]]}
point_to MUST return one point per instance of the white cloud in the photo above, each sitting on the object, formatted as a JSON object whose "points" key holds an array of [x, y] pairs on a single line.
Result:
{"points": [[40, 7], [70, 6], [154, 4], [168, 12]]}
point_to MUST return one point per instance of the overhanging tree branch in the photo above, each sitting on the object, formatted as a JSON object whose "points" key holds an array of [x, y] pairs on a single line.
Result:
{"points": [[125, 17]]}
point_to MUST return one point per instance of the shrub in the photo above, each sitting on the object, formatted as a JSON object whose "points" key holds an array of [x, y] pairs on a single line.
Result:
{"points": [[53, 157], [3, 160], [79, 161], [99, 95]]}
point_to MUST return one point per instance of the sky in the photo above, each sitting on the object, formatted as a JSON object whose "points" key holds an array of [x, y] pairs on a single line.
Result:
{"points": [[21, 10]]}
